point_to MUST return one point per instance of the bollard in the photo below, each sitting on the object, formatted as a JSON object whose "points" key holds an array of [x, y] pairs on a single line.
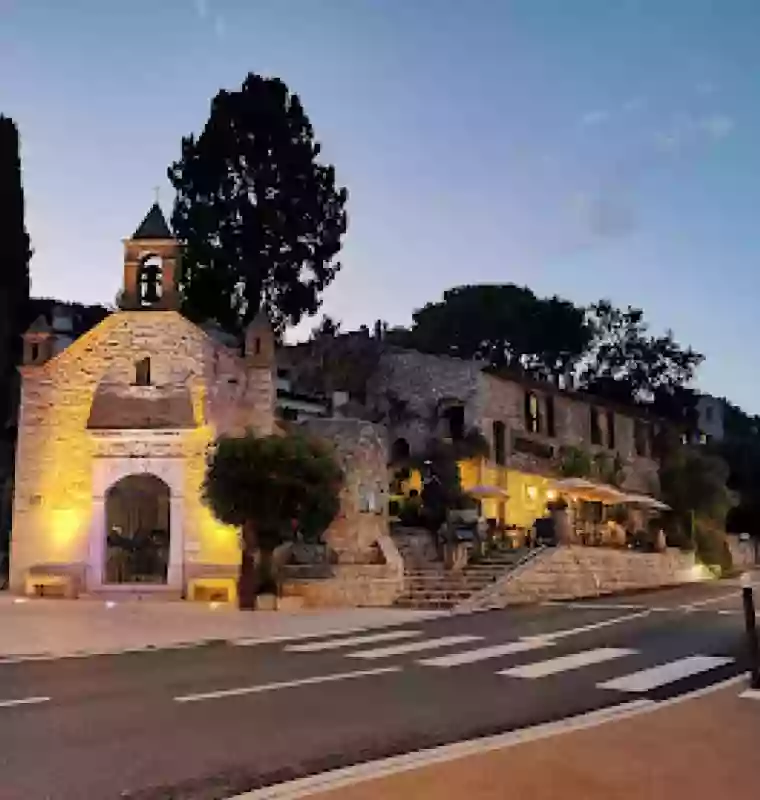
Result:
{"points": [[751, 627]]}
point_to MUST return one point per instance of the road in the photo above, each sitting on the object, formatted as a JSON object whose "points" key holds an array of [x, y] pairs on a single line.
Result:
{"points": [[207, 722]]}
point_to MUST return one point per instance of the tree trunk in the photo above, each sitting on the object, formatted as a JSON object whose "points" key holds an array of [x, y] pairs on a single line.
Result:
{"points": [[247, 579]]}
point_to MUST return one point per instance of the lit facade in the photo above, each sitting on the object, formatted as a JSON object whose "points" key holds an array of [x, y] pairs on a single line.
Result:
{"points": [[145, 392]]}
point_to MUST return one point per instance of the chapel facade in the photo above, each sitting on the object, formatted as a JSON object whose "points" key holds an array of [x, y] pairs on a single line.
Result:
{"points": [[113, 435]]}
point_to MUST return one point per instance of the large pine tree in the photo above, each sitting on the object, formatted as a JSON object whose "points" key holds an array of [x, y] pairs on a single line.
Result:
{"points": [[14, 297], [260, 216]]}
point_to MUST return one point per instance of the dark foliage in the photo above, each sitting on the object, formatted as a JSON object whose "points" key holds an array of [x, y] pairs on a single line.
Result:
{"points": [[260, 218]]}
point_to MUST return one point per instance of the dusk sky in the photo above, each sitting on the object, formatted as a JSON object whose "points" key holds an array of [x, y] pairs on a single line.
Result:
{"points": [[589, 148]]}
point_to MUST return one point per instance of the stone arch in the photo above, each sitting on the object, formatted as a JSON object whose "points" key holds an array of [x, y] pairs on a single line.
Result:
{"points": [[150, 280], [137, 530]]}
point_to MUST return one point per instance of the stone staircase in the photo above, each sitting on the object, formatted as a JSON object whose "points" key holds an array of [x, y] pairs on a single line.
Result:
{"points": [[433, 587]]}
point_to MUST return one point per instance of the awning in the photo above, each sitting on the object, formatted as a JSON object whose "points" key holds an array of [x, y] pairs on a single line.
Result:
{"points": [[488, 491], [647, 501], [588, 490]]}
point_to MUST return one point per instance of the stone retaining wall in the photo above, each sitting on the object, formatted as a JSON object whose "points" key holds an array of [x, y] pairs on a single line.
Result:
{"points": [[574, 571]]}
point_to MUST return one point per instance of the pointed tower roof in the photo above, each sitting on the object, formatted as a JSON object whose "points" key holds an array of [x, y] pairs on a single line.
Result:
{"points": [[40, 325], [154, 226]]}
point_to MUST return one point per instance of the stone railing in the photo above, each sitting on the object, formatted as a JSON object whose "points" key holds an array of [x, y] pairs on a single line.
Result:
{"points": [[574, 571]]}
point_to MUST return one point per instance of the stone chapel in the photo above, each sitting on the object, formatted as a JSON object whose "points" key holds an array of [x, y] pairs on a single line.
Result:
{"points": [[114, 431], [113, 434]]}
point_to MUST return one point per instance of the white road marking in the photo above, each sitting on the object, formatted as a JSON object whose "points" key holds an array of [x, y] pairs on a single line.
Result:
{"points": [[594, 626], [413, 647], [540, 669], [24, 701], [751, 694], [482, 653], [708, 601], [334, 644], [297, 637], [646, 679], [271, 687], [589, 606]]}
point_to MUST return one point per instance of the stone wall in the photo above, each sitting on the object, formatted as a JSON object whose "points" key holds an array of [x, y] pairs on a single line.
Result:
{"points": [[743, 553], [572, 571], [504, 400], [58, 456], [366, 567]]}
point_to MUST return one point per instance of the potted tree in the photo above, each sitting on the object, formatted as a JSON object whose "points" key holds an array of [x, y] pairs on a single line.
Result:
{"points": [[268, 486]]}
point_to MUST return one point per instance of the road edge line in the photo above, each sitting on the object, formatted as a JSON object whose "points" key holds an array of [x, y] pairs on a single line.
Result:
{"points": [[385, 767]]}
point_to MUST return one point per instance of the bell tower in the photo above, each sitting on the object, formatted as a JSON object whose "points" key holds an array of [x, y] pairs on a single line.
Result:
{"points": [[151, 263]]}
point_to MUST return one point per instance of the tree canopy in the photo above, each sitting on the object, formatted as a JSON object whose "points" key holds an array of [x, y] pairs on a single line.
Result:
{"points": [[606, 350], [505, 325], [269, 487], [15, 253], [259, 215]]}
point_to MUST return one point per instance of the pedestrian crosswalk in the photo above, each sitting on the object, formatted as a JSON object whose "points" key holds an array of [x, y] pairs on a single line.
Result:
{"points": [[533, 654], [646, 679], [552, 666]]}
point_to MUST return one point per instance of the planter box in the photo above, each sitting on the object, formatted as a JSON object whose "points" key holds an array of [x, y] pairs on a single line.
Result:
{"points": [[270, 602]]}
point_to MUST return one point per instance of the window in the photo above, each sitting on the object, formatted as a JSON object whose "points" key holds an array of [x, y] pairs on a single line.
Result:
{"points": [[499, 442], [532, 416], [35, 352], [596, 428], [142, 372], [257, 346], [611, 429], [455, 417], [709, 413], [641, 437], [551, 425], [400, 450]]}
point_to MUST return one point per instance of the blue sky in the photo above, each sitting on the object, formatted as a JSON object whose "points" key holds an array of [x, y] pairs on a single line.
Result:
{"points": [[587, 148]]}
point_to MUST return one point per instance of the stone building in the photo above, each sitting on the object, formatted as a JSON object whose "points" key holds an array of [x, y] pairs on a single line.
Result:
{"points": [[532, 427], [113, 433]]}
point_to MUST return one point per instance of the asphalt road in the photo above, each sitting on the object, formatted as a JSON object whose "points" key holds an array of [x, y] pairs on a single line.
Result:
{"points": [[208, 722]]}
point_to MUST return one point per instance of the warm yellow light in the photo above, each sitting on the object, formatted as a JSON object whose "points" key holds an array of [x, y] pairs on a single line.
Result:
{"points": [[532, 492], [64, 525], [551, 495]]}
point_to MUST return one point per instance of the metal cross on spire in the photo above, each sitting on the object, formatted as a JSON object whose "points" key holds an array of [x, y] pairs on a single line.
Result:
{"points": [[157, 190]]}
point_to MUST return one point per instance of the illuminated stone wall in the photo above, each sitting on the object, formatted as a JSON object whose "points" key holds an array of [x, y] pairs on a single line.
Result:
{"points": [[55, 496]]}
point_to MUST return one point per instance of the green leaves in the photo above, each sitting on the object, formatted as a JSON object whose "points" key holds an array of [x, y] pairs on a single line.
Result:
{"points": [[273, 483], [261, 219]]}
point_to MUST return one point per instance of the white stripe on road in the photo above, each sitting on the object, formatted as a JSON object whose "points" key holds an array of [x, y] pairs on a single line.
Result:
{"points": [[297, 637], [271, 687], [334, 644], [709, 601], [541, 669], [24, 701], [652, 678], [591, 606], [482, 653], [413, 647], [751, 694], [594, 626]]}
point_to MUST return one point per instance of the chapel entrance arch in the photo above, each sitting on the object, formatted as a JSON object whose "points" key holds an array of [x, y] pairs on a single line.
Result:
{"points": [[137, 510]]}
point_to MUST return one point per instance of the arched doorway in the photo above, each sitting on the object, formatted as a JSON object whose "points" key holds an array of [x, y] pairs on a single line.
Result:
{"points": [[137, 530]]}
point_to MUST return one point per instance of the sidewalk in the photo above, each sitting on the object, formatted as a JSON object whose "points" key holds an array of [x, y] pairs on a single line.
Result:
{"points": [[701, 749], [65, 627]]}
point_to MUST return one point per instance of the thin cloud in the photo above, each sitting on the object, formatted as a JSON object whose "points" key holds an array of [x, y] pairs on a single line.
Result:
{"points": [[220, 27], [596, 117], [717, 126], [705, 88], [634, 104], [201, 8]]}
